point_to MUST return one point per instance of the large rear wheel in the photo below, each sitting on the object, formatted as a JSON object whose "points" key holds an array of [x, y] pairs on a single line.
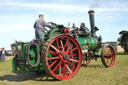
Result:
{"points": [[62, 57]]}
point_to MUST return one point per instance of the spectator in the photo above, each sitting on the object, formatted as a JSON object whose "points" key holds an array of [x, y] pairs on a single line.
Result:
{"points": [[0, 54], [3, 55]]}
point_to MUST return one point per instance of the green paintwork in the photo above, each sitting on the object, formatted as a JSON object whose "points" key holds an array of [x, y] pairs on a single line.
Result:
{"points": [[14, 65], [86, 43], [83, 43], [33, 54], [53, 32], [21, 47], [90, 43]]}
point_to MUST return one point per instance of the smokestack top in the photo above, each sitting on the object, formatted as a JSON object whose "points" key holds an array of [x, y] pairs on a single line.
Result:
{"points": [[91, 12]]}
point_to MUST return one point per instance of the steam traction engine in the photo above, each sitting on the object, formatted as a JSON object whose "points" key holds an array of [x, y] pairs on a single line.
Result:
{"points": [[123, 40], [61, 53]]}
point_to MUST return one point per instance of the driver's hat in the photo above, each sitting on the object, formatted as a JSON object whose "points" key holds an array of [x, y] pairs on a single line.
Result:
{"points": [[41, 15]]}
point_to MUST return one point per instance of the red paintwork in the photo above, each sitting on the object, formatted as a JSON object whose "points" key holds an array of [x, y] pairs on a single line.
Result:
{"points": [[36, 39], [61, 67], [66, 30], [109, 60], [88, 59]]}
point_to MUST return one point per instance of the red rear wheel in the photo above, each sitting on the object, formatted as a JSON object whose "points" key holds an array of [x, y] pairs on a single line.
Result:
{"points": [[87, 59], [62, 57], [108, 56], [86, 62]]}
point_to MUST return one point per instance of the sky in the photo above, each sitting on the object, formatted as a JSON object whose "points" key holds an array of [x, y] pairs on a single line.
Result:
{"points": [[18, 16]]}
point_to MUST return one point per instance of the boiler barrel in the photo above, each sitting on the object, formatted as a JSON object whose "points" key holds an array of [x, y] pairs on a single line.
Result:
{"points": [[90, 43]]}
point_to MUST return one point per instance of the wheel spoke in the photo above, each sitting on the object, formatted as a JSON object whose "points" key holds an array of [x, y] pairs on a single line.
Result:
{"points": [[105, 52], [106, 55], [107, 61], [111, 54], [110, 60], [57, 44], [66, 43], [62, 45], [54, 48], [53, 63], [74, 60], [68, 68], [64, 69], [71, 65], [57, 66], [52, 53], [108, 50], [53, 58], [105, 58], [68, 47], [72, 50], [71, 55], [60, 69]]}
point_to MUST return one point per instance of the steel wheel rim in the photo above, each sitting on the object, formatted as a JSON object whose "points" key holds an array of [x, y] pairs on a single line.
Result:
{"points": [[109, 56], [62, 64]]}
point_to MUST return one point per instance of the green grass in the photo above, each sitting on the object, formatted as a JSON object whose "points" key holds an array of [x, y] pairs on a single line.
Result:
{"points": [[94, 74]]}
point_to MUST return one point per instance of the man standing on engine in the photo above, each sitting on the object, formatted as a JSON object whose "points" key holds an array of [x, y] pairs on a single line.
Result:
{"points": [[39, 27]]}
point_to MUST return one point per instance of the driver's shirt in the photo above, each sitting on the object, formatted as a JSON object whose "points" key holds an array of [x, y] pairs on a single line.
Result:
{"points": [[40, 24]]}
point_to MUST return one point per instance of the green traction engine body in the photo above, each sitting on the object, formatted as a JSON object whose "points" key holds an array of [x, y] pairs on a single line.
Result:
{"points": [[63, 51], [23, 55], [28, 54]]}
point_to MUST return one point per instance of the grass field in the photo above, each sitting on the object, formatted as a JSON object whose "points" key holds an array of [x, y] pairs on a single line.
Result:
{"points": [[94, 74]]}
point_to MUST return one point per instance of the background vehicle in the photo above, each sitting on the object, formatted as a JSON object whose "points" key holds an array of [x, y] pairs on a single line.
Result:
{"points": [[123, 40]]}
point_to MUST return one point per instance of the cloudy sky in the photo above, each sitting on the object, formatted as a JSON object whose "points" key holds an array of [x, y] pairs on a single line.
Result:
{"points": [[18, 16]]}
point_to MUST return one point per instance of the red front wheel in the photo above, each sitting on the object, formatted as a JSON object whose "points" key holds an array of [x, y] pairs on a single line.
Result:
{"points": [[108, 56], [62, 57]]}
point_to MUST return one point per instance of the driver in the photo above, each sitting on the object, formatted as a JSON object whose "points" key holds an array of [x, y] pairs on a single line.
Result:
{"points": [[39, 27], [84, 28]]}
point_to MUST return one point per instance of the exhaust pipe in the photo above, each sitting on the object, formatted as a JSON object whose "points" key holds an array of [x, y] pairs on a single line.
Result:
{"points": [[92, 22]]}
